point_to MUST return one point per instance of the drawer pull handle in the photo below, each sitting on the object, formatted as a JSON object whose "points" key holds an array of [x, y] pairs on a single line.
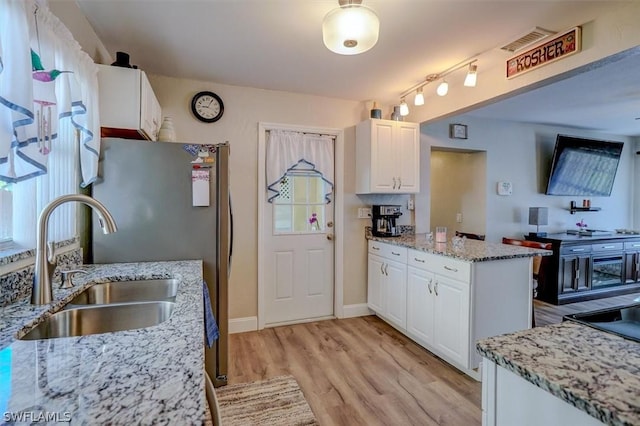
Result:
{"points": [[375, 248], [577, 249], [418, 260], [395, 254], [608, 247], [429, 285], [450, 269], [435, 288], [386, 269], [382, 268]]}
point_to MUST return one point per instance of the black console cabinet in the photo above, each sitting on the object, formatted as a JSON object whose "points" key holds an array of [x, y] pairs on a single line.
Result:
{"points": [[588, 267]]}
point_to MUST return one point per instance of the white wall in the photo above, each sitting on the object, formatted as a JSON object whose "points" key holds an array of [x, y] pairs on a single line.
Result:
{"points": [[521, 153]]}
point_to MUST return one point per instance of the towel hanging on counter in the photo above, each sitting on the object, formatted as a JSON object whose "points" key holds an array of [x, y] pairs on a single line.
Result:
{"points": [[210, 326]]}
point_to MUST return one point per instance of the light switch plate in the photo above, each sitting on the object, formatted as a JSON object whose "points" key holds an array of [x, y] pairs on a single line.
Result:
{"points": [[505, 188], [364, 213]]}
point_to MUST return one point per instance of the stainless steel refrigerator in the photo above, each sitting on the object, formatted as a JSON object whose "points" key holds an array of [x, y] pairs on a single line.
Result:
{"points": [[171, 201]]}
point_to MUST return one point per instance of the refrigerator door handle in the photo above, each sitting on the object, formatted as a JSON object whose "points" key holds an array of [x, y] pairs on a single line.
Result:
{"points": [[231, 235]]}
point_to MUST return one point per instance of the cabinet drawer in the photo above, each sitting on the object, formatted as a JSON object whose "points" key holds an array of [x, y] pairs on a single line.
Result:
{"points": [[632, 245], [575, 249], [607, 247], [451, 268], [388, 251], [420, 259]]}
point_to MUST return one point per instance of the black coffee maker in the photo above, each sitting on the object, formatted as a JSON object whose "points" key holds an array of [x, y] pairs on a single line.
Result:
{"points": [[384, 220]]}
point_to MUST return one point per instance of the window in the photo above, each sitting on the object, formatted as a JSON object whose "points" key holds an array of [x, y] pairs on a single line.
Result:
{"points": [[300, 206]]}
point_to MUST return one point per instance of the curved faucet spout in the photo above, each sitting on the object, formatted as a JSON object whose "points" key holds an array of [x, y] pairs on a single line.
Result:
{"points": [[41, 292]]}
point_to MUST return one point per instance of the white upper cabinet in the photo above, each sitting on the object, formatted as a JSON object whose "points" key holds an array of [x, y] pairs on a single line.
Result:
{"points": [[387, 157], [128, 107]]}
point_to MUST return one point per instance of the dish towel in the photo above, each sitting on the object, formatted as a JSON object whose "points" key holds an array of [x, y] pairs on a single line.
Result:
{"points": [[210, 327]]}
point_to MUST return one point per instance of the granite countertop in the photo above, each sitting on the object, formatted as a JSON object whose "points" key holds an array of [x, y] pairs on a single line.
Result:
{"points": [[149, 375], [473, 250], [597, 372]]}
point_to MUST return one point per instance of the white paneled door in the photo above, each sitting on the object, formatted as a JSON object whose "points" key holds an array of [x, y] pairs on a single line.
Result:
{"points": [[299, 269]]}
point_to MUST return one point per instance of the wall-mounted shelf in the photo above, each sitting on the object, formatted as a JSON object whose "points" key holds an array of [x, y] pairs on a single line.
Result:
{"points": [[573, 210]]}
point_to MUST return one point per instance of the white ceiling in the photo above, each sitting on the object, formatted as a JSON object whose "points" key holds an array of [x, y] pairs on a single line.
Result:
{"points": [[277, 44]]}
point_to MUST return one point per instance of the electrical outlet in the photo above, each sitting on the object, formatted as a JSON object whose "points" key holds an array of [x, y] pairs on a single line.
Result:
{"points": [[459, 217], [410, 204], [364, 213]]}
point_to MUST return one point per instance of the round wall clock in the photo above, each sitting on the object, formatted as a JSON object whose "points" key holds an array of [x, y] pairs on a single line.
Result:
{"points": [[207, 107]]}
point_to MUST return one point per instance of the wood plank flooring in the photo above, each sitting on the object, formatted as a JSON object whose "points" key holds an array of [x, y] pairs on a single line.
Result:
{"points": [[361, 371]]}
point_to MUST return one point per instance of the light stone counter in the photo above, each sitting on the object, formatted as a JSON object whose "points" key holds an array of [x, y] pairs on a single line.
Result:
{"points": [[594, 371], [150, 375], [473, 250]]}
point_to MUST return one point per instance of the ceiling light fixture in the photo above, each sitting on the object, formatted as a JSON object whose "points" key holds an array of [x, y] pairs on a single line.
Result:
{"points": [[472, 76], [419, 99], [351, 28], [404, 108], [443, 88]]}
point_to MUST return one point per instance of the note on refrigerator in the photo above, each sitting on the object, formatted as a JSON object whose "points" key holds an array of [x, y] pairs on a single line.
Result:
{"points": [[200, 187]]}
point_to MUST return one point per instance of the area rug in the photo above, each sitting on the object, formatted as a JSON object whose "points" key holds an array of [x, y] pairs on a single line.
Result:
{"points": [[276, 401]]}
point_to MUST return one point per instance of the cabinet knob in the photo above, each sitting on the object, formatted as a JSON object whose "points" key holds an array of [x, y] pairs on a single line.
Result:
{"points": [[330, 237]]}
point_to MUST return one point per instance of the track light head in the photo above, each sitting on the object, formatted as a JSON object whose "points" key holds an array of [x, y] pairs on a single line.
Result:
{"points": [[472, 76], [443, 88], [419, 99], [404, 108]]}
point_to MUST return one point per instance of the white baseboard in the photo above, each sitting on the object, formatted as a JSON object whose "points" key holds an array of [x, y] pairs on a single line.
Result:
{"points": [[357, 310], [241, 325]]}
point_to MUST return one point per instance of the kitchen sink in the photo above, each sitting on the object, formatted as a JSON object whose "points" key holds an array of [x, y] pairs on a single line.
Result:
{"points": [[128, 291], [81, 321]]}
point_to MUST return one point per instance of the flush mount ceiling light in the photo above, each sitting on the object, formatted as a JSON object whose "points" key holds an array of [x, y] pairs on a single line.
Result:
{"points": [[351, 28]]}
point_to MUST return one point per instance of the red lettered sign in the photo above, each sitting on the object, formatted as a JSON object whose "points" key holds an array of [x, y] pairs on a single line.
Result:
{"points": [[560, 47]]}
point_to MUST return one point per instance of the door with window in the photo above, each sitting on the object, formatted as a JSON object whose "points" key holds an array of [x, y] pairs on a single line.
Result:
{"points": [[299, 270]]}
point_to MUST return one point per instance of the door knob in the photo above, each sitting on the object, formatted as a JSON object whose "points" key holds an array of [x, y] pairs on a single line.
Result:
{"points": [[330, 237]]}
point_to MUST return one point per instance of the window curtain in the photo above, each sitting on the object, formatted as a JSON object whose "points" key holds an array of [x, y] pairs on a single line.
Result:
{"points": [[44, 77], [289, 151]]}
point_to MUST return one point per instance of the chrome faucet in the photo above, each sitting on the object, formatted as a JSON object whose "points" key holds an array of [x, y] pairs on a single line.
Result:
{"points": [[41, 292]]}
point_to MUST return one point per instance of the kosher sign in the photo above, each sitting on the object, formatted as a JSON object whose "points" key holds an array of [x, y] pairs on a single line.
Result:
{"points": [[560, 47]]}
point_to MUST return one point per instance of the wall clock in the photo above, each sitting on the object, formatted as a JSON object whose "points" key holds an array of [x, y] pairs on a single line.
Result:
{"points": [[207, 107], [457, 131]]}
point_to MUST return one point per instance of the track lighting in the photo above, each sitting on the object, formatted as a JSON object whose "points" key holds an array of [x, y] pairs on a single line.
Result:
{"points": [[419, 99], [472, 76], [404, 108], [443, 88]]}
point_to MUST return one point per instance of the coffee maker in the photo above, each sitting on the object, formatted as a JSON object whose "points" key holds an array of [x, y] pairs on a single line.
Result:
{"points": [[384, 220]]}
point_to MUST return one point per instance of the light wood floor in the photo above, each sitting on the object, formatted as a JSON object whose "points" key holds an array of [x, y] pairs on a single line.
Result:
{"points": [[361, 371]]}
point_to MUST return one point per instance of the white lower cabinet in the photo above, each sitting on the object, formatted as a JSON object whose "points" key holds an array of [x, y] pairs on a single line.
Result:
{"points": [[446, 304], [387, 283], [420, 305]]}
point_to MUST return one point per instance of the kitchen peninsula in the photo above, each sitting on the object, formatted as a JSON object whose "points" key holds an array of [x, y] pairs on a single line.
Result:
{"points": [[446, 298], [142, 376], [561, 374]]}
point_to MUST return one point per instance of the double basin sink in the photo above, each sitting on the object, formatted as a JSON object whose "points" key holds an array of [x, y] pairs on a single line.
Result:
{"points": [[110, 306]]}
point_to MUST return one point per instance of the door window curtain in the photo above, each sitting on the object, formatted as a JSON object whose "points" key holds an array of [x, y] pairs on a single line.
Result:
{"points": [[290, 151], [45, 77]]}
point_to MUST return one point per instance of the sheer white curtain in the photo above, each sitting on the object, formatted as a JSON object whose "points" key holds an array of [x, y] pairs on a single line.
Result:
{"points": [[49, 122], [289, 151]]}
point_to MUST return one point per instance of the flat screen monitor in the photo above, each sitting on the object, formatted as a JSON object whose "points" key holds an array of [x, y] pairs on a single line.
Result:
{"points": [[583, 166]]}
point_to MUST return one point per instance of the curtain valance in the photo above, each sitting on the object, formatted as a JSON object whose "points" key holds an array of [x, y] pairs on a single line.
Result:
{"points": [[45, 77], [289, 151]]}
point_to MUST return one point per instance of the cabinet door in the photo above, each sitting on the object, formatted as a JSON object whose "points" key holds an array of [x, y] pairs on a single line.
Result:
{"points": [[150, 111], [451, 319], [375, 291], [420, 300], [407, 143], [574, 274], [383, 166], [632, 267], [396, 292]]}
